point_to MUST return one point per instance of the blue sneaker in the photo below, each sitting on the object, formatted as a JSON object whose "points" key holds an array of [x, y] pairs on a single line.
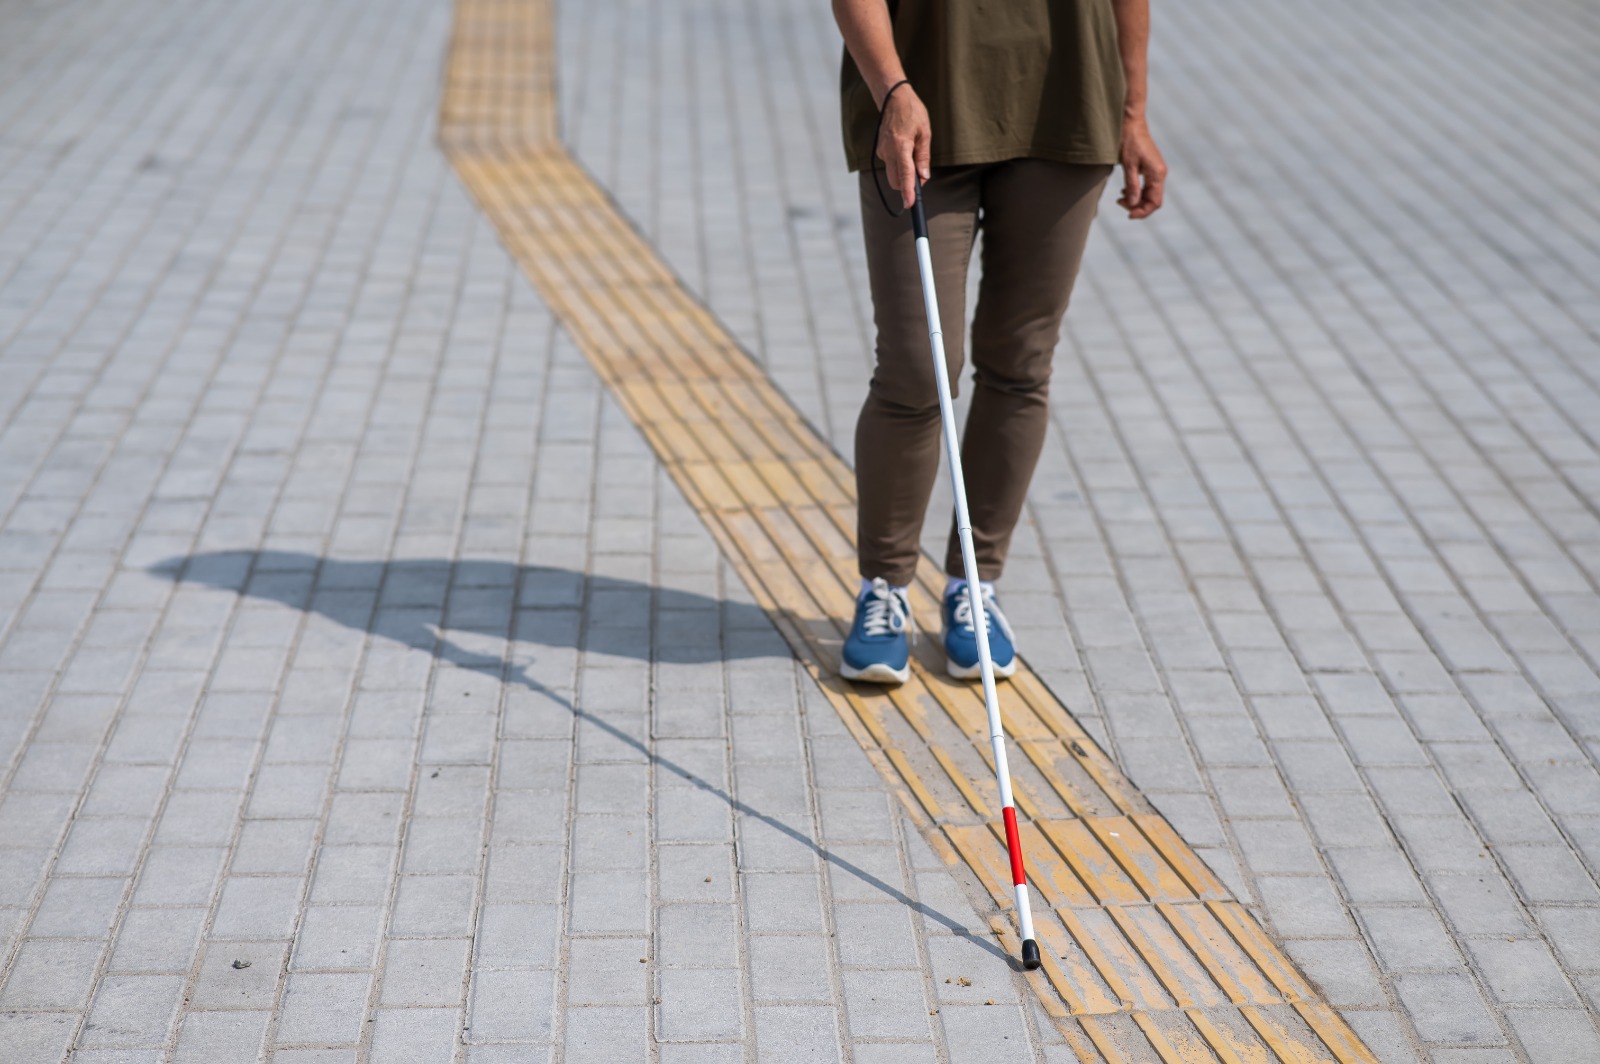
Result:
{"points": [[877, 651], [961, 638]]}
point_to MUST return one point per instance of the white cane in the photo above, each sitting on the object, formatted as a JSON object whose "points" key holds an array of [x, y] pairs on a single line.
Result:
{"points": [[969, 564]]}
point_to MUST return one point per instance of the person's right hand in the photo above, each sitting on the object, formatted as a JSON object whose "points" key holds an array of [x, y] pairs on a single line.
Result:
{"points": [[904, 142]]}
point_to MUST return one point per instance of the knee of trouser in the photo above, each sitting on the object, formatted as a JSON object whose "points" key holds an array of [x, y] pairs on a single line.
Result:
{"points": [[1014, 353], [905, 395], [1030, 380]]}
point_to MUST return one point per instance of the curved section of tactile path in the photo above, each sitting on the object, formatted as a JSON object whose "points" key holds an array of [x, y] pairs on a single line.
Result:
{"points": [[1147, 956]]}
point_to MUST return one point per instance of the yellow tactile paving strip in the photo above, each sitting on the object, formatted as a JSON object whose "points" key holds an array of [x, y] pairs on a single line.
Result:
{"points": [[1147, 958]]}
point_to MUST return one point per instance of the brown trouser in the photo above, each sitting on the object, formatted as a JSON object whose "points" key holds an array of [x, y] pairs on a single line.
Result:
{"points": [[1035, 216]]}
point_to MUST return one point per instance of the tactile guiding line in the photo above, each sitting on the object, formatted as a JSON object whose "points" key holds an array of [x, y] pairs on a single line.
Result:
{"points": [[1147, 956]]}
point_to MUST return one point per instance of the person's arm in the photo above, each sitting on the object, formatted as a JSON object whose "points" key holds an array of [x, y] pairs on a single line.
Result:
{"points": [[1144, 172], [903, 145]]}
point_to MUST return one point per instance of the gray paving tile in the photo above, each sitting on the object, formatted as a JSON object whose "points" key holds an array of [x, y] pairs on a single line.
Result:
{"points": [[233, 1035], [699, 1005], [1555, 1034], [796, 1034], [424, 972], [511, 1006], [1446, 1008], [400, 1036], [51, 973], [322, 1008]]}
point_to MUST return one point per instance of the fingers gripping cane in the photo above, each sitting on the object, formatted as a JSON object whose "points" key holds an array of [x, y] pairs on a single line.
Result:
{"points": [[969, 563]]}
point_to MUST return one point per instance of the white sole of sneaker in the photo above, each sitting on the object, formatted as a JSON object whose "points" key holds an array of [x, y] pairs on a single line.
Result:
{"points": [[879, 673], [972, 672]]}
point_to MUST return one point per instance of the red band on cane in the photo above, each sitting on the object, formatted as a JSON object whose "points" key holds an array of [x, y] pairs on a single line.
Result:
{"points": [[1014, 846]]}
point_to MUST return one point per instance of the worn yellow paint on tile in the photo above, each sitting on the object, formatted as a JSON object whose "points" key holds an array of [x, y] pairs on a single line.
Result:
{"points": [[1174, 1039], [1230, 1046], [1221, 955], [1285, 1042], [1147, 955]]}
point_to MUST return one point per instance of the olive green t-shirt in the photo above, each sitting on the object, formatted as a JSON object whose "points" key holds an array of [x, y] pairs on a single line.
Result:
{"points": [[1002, 79]]}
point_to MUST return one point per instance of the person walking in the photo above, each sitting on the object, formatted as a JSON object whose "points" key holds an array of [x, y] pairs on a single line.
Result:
{"points": [[1014, 114]]}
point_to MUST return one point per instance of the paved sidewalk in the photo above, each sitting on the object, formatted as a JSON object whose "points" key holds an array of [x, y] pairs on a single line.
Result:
{"points": [[1316, 549], [273, 386], [367, 691]]}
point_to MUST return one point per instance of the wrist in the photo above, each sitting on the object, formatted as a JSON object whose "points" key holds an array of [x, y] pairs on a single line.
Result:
{"points": [[1134, 113], [882, 87]]}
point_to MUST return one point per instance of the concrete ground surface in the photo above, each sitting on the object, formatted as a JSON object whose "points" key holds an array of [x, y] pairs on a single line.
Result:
{"points": [[368, 693]]}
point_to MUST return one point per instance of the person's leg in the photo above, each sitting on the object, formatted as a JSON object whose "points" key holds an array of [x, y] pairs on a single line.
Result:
{"points": [[1036, 219], [897, 433]]}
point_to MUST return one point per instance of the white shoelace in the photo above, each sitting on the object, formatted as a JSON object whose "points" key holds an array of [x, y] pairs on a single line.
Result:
{"points": [[886, 609], [991, 608]]}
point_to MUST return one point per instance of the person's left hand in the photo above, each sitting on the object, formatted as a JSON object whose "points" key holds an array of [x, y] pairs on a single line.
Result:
{"points": [[1144, 171]]}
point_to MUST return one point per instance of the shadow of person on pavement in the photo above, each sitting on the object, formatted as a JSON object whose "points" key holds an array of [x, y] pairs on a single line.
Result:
{"points": [[415, 602]]}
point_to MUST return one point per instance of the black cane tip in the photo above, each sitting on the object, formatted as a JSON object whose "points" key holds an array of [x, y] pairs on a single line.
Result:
{"points": [[1030, 954]]}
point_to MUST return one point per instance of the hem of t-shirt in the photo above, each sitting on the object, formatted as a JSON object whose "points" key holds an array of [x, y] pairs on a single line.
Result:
{"points": [[1004, 155]]}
